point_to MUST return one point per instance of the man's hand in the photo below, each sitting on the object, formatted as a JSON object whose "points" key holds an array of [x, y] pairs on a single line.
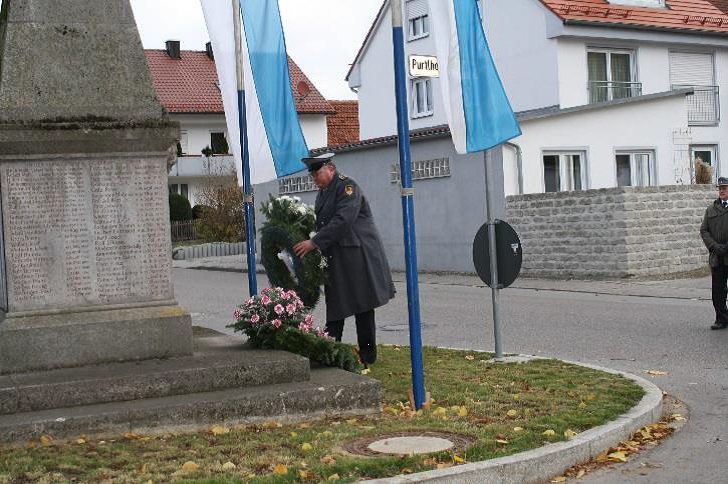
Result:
{"points": [[720, 249], [303, 248]]}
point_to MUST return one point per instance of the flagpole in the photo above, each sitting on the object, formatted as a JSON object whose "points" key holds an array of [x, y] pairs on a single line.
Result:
{"points": [[408, 218], [242, 123]]}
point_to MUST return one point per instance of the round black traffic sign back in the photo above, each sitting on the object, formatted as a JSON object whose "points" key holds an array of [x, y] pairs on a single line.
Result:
{"points": [[508, 254]]}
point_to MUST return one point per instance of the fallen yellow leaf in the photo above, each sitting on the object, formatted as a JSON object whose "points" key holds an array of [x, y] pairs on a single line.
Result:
{"points": [[352, 421], [444, 465], [190, 466], [272, 425], [228, 466], [617, 457], [656, 372], [548, 433], [511, 413], [677, 416], [306, 447], [328, 460], [568, 433], [366, 371], [558, 479], [470, 357], [327, 433], [280, 469], [303, 426], [80, 441], [333, 477], [582, 405], [304, 474], [517, 429], [219, 430], [463, 412], [602, 457], [294, 434], [516, 396], [46, 439], [501, 441], [591, 396], [580, 474], [458, 459], [438, 411]]}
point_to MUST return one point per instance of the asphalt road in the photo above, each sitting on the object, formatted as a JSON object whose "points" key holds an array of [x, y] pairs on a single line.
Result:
{"points": [[627, 326]]}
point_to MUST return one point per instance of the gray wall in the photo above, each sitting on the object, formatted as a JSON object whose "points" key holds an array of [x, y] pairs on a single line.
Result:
{"points": [[611, 232], [448, 211]]}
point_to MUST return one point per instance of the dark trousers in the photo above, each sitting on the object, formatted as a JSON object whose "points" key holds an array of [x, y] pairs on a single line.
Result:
{"points": [[719, 276], [365, 334]]}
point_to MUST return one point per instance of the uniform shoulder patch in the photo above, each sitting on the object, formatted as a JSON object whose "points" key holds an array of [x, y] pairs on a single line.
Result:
{"points": [[342, 177], [349, 189]]}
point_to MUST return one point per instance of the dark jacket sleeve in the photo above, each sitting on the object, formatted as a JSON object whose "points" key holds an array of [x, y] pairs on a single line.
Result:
{"points": [[347, 210], [708, 239]]}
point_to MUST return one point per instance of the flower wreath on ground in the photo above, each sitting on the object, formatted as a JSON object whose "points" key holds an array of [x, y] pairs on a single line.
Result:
{"points": [[289, 221], [278, 319]]}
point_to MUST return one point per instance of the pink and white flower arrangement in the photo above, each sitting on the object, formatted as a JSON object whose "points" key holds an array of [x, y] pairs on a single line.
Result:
{"points": [[273, 309]]}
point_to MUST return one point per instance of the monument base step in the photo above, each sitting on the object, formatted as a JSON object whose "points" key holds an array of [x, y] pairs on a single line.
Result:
{"points": [[71, 338], [218, 363], [329, 392]]}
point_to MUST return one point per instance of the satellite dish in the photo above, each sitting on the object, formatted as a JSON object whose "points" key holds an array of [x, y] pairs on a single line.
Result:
{"points": [[303, 90]]}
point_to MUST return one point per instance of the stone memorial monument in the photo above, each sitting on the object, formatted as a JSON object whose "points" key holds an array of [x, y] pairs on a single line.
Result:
{"points": [[84, 147]]}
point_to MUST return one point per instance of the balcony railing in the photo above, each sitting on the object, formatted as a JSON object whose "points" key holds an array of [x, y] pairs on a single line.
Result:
{"points": [[600, 91], [703, 105]]}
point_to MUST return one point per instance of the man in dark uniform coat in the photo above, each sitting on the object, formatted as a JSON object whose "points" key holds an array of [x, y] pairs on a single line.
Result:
{"points": [[714, 231], [359, 277]]}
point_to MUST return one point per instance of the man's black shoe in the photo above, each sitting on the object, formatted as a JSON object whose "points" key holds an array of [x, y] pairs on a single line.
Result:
{"points": [[719, 326]]}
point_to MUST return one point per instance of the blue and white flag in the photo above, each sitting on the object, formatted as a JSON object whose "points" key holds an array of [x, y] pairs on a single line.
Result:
{"points": [[476, 104], [275, 140]]}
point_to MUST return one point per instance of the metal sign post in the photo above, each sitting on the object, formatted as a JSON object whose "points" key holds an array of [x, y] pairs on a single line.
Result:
{"points": [[494, 286]]}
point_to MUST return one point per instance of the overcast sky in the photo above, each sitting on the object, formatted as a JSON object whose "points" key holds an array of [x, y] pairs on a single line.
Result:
{"points": [[322, 36]]}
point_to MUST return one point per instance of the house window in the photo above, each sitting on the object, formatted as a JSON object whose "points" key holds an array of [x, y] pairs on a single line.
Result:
{"points": [[423, 169], [417, 21], [218, 143], [696, 70], [564, 171], [706, 154], [635, 168], [181, 189], [611, 75], [421, 97], [183, 142], [296, 184]]}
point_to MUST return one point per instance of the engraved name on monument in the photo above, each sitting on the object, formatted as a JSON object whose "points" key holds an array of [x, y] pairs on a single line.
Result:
{"points": [[85, 232]]}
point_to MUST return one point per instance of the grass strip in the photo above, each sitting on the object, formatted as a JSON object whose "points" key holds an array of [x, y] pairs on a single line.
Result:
{"points": [[503, 408]]}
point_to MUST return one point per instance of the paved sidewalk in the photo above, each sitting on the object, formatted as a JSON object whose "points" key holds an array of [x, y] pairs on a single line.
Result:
{"points": [[684, 288]]}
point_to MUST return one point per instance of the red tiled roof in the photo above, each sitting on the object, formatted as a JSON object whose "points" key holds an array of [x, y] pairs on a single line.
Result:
{"points": [[189, 84], [343, 127], [720, 5], [692, 15]]}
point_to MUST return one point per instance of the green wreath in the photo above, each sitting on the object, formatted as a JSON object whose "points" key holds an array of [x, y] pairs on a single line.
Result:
{"points": [[288, 222]]}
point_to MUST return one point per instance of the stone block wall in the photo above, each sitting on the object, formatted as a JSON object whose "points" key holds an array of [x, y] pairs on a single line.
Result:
{"points": [[611, 232]]}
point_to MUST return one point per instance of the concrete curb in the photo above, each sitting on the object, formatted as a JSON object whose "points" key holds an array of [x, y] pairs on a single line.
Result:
{"points": [[540, 464]]}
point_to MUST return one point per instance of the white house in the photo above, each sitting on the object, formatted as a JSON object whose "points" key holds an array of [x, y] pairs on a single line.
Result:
{"points": [[609, 92], [187, 85]]}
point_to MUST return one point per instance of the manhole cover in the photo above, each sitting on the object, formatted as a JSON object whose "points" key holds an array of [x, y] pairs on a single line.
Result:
{"points": [[412, 442], [405, 326]]}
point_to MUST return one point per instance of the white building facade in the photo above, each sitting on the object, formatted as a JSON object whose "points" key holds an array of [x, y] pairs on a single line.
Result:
{"points": [[637, 85], [187, 85]]}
